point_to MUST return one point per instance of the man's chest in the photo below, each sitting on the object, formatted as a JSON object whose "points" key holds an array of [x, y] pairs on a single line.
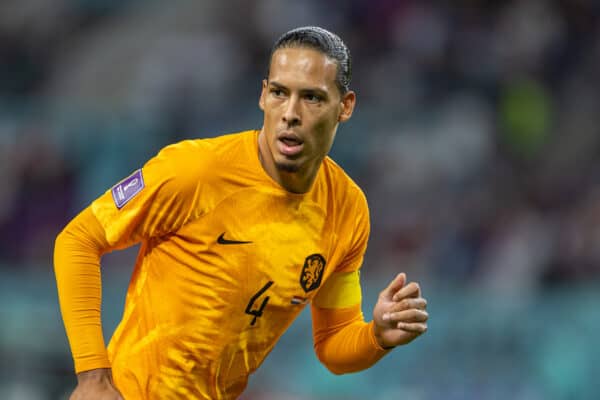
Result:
{"points": [[256, 254]]}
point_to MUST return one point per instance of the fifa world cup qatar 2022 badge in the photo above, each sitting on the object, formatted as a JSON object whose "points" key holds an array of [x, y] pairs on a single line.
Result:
{"points": [[126, 190]]}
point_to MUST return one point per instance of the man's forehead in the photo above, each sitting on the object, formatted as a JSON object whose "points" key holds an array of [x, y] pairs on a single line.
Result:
{"points": [[306, 51], [303, 63]]}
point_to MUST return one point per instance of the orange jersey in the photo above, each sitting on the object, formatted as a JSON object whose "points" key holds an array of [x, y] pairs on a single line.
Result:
{"points": [[228, 260]]}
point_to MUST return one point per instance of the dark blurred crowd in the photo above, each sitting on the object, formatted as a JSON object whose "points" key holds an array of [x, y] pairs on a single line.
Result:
{"points": [[476, 137]]}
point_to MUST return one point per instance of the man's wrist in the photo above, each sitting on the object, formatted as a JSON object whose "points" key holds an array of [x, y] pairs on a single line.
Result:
{"points": [[377, 337], [95, 375]]}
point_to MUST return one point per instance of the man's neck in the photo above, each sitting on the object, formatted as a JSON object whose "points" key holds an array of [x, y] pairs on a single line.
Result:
{"points": [[294, 182]]}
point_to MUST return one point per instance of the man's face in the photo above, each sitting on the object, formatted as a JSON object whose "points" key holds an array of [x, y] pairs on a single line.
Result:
{"points": [[302, 108]]}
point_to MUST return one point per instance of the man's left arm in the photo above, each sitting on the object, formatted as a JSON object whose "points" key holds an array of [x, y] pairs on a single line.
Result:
{"points": [[344, 342]]}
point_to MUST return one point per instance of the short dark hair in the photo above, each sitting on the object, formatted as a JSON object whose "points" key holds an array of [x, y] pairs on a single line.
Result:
{"points": [[324, 41]]}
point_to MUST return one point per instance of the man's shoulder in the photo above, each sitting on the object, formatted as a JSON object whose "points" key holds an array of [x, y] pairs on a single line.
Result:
{"points": [[207, 149], [203, 157], [214, 144], [340, 181]]}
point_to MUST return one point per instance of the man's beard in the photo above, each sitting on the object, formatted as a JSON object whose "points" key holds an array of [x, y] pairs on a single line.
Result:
{"points": [[287, 167]]}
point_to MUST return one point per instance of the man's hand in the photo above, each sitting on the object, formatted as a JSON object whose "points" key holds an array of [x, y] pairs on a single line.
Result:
{"points": [[400, 314], [96, 384]]}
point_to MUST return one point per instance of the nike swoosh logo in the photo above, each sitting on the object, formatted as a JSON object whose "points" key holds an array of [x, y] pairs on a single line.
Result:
{"points": [[222, 240]]}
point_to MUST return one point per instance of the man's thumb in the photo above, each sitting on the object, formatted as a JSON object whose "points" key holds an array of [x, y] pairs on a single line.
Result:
{"points": [[396, 284]]}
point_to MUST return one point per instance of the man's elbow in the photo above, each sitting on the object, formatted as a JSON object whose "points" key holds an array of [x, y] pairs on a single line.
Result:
{"points": [[332, 367], [60, 242], [333, 363], [65, 240], [60, 239], [62, 245]]}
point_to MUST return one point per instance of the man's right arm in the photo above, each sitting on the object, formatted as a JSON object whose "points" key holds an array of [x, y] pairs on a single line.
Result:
{"points": [[153, 201], [77, 253]]}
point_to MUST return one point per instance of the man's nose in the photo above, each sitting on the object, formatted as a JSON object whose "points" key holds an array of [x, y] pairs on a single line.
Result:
{"points": [[291, 116]]}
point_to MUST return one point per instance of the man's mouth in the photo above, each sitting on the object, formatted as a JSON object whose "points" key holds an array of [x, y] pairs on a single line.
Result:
{"points": [[290, 145]]}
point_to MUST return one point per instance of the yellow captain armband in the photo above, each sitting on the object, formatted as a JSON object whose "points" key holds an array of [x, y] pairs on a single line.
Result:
{"points": [[341, 290]]}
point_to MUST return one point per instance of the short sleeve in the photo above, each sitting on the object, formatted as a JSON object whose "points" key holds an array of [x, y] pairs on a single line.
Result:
{"points": [[158, 198]]}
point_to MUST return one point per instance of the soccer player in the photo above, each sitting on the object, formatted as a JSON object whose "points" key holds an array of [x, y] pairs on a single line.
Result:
{"points": [[238, 233]]}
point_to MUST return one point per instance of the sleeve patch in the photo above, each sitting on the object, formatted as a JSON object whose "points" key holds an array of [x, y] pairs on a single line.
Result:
{"points": [[126, 190]]}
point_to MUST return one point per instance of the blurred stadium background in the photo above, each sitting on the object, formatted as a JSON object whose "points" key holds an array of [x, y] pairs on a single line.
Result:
{"points": [[476, 140]]}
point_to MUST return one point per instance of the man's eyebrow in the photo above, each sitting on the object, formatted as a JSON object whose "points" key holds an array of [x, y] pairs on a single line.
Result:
{"points": [[316, 90], [277, 85]]}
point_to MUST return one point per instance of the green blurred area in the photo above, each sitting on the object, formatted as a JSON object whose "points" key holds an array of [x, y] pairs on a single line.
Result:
{"points": [[526, 117]]}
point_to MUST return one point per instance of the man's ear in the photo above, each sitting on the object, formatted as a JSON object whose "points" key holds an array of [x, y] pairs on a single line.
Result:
{"points": [[263, 94], [347, 106]]}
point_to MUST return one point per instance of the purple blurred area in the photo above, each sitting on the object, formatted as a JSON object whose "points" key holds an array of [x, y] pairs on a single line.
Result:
{"points": [[476, 139]]}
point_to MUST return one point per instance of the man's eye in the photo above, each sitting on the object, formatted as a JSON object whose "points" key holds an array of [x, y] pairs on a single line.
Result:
{"points": [[313, 98], [277, 92]]}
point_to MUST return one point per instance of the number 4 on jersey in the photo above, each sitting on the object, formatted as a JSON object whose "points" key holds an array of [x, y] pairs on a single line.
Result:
{"points": [[258, 312]]}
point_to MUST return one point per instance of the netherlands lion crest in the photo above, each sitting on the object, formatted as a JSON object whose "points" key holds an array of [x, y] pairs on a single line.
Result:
{"points": [[312, 272]]}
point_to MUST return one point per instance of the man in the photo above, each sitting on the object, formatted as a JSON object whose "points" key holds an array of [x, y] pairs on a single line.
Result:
{"points": [[238, 233]]}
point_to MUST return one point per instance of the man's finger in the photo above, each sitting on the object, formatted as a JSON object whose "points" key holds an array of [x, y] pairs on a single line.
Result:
{"points": [[412, 315], [411, 290], [415, 327], [394, 286], [408, 304]]}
